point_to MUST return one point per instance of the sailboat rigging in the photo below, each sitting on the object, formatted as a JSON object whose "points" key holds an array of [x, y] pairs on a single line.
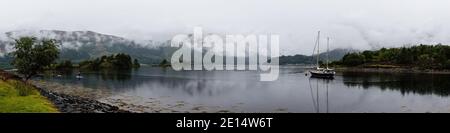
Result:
{"points": [[322, 72]]}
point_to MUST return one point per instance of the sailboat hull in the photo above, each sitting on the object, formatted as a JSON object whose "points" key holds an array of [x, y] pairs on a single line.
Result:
{"points": [[320, 74]]}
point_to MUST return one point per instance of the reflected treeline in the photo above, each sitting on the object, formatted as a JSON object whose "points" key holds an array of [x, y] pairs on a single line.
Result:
{"points": [[115, 75], [405, 83], [93, 79], [191, 87], [124, 80], [188, 86]]}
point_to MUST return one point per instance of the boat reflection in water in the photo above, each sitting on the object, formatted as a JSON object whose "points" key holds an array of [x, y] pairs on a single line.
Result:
{"points": [[292, 92], [319, 88]]}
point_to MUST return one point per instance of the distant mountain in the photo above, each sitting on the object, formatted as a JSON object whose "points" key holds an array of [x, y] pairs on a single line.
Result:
{"points": [[5, 62], [333, 55], [82, 45], [336, 54], [295, 59]]}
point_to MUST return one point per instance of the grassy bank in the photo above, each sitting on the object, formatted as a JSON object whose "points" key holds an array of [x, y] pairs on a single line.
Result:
{"points": [[16, 97]]}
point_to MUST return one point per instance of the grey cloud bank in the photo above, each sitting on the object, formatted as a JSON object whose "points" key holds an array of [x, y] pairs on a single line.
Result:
{"points": [[359, 24]]}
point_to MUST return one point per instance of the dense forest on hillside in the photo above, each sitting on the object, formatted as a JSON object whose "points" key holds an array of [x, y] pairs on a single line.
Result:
{"points": [[421, 56]]}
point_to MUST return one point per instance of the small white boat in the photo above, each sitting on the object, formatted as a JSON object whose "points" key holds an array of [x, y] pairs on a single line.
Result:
{"points": [[79, 75]]}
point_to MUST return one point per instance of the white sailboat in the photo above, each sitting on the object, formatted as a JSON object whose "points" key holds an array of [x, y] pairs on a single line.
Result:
{"points": [[322, 72]]}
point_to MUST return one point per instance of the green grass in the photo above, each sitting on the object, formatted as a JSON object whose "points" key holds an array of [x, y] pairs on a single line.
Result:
{"points": [[16, 97]]}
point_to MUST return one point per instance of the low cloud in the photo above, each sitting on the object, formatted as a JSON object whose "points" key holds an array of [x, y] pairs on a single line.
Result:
{"points": [[368, 24]]}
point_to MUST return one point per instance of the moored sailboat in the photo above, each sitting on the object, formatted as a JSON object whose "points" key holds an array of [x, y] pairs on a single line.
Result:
{"points": [[322, 72]]}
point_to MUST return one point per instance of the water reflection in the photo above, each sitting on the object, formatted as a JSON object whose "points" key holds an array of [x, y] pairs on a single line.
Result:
{"points": [[316, 93], [292, 92], [189, 83], [113, 75], [106, 79], [423, 84]]}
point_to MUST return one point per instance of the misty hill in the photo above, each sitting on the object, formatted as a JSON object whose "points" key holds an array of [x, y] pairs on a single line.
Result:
{"points": [[334, 55], [82, 45]]}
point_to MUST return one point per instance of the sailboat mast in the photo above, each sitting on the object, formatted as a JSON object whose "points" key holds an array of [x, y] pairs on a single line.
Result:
{"points": [[328, 46], [318, 49]]}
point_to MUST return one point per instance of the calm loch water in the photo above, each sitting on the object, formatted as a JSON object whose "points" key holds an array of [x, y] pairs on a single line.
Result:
{"points": [[292, 92]]}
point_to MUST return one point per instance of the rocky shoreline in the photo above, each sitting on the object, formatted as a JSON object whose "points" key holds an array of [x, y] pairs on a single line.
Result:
{"points": [[71, 98], [75, 104]]}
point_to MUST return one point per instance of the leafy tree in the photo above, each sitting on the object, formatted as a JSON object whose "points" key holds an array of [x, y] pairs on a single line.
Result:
{"points": [[32, 56], [404, 56], [368, 55], [425, 60], [353, 59], [164, 63], [447, 64], [64, 65], [136, 64]]}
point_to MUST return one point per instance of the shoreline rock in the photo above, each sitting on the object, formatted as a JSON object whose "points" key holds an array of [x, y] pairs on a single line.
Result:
{"points": [[84, 96], [74, 104]]}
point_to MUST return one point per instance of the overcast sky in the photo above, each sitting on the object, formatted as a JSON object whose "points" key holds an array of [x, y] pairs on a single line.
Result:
{"points": [[360, 24]]}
